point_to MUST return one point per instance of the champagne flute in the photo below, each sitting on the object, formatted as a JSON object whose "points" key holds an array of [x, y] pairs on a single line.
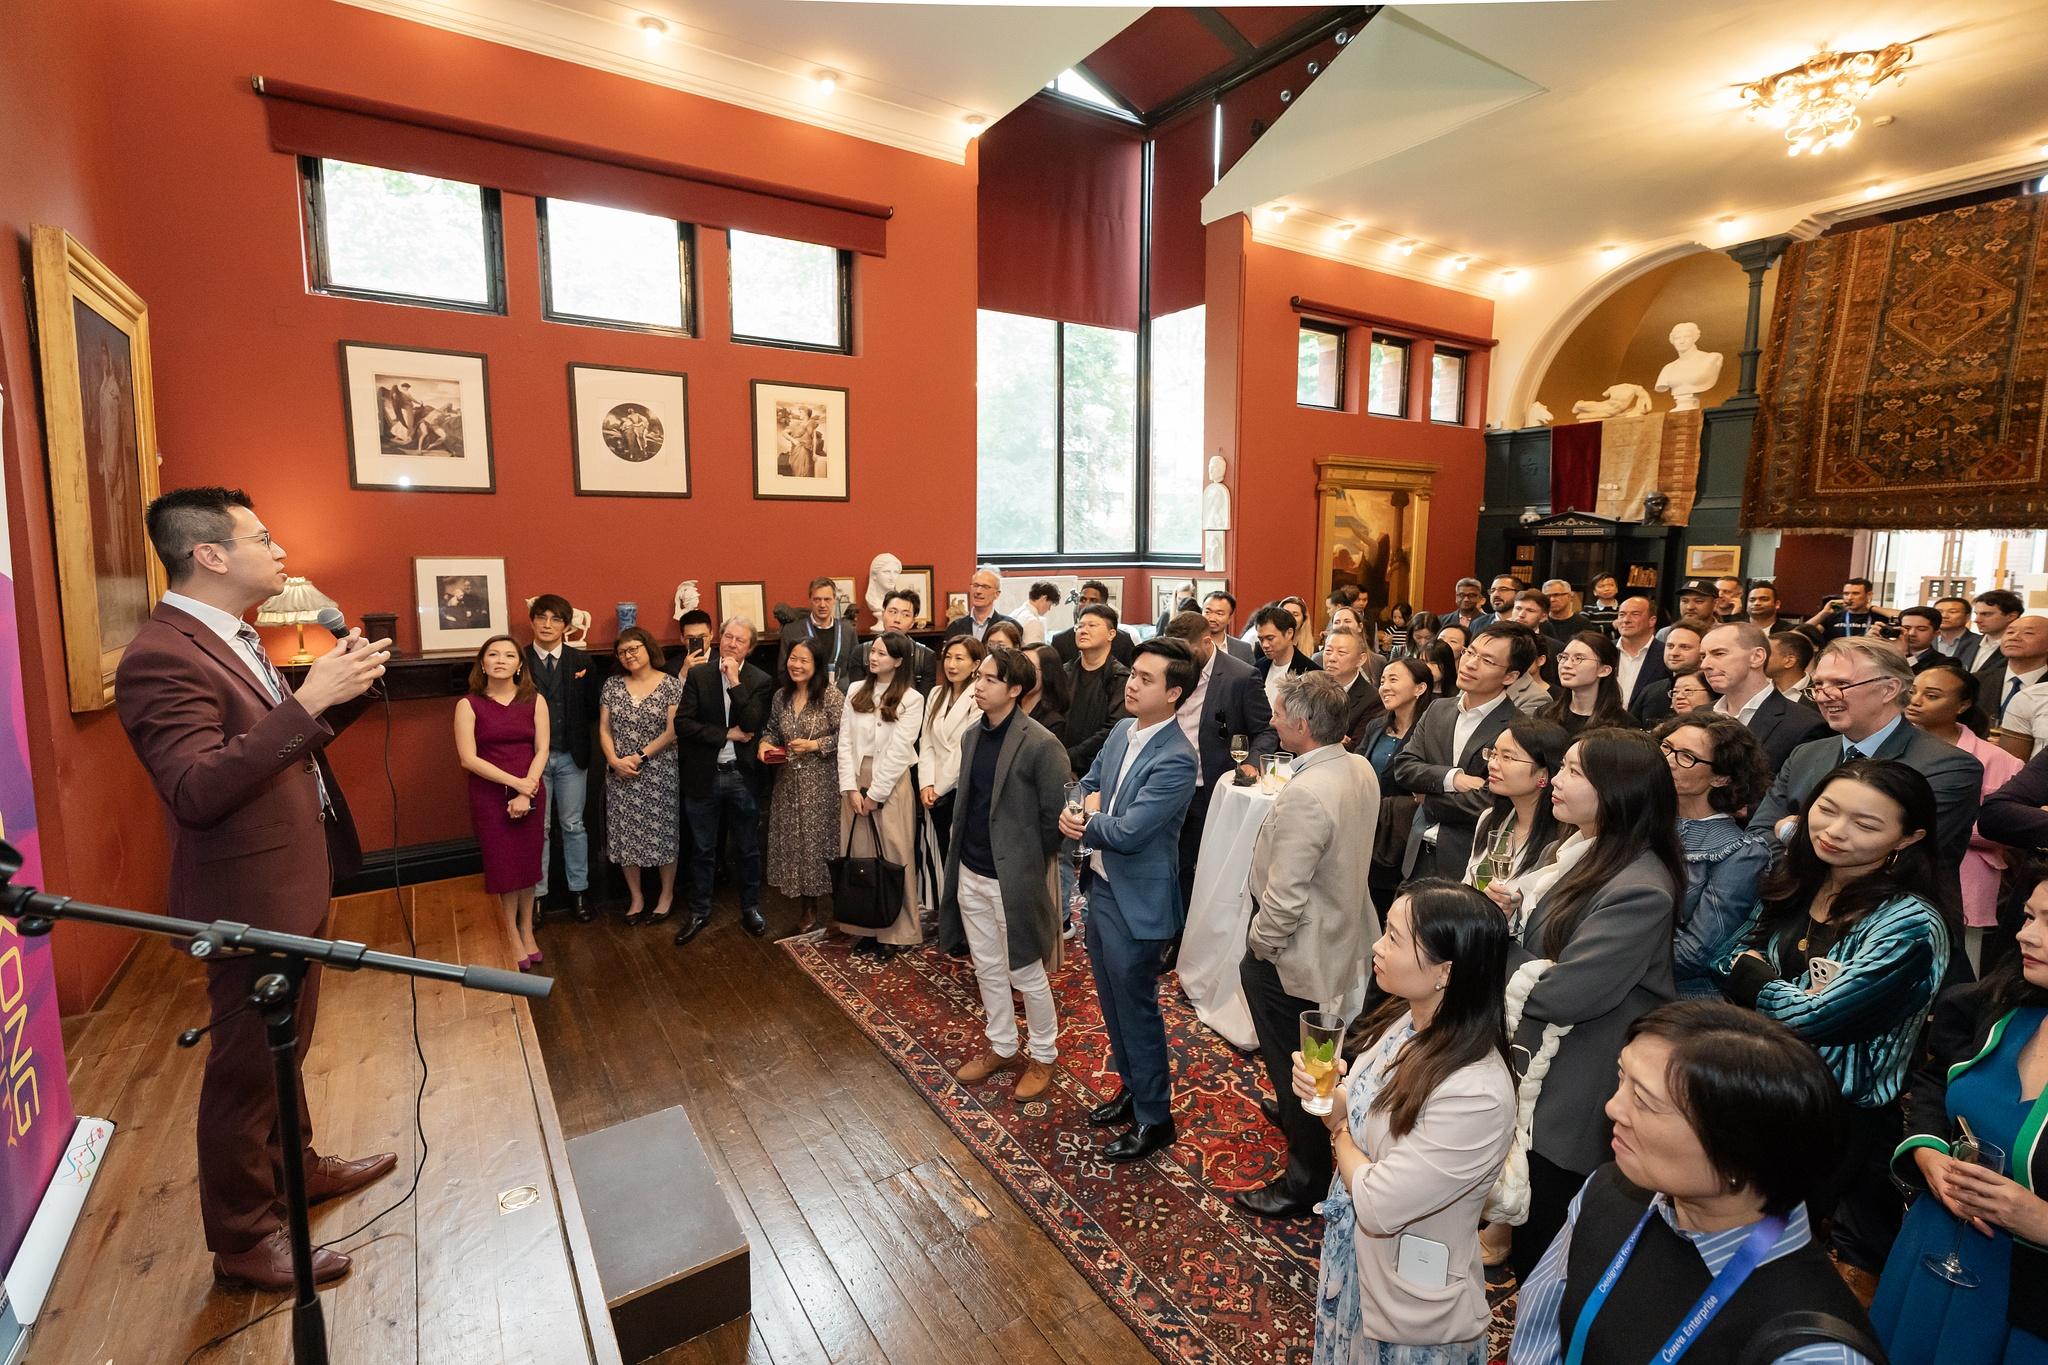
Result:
{"points": [[1975, 1151]]}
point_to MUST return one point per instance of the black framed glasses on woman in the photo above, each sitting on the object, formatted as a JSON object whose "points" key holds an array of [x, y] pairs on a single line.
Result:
{"points": [[1684, 758]]}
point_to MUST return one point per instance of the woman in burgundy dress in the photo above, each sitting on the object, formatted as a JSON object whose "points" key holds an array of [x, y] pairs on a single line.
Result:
{"points": [[501, 734]]}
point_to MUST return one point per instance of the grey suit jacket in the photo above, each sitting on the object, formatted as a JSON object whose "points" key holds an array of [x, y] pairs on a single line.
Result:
{"points": [[1615, 968], [1781, 726], [1240, 649], [1422, 766], [1314, 919], [1024, 833]]}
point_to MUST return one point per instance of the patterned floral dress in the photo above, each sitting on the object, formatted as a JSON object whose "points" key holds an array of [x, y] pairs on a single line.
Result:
{"points": [[803, 817], [1340, 1339], [643, 824]]}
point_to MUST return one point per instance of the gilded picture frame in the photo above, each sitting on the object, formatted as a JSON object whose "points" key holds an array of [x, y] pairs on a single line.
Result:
{"points": [[1372, 532]]}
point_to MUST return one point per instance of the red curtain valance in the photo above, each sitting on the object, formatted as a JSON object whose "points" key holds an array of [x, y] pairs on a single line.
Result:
{"points": [[1061, 204], [309, 122]]}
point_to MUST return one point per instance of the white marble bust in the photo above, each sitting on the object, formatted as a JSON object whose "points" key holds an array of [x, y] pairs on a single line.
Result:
{"points": [[1216, 497], [882, 571], [1692, 373]]}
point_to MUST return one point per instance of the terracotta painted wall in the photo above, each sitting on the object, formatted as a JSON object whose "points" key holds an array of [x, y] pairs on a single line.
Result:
{"points": [[1273, 444], [197, 213]]}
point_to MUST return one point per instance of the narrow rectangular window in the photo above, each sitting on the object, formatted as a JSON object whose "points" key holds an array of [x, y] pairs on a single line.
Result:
{"points": [[611, 267], [401, 238], [1319, 365], [1386, 392], [787, 293], [1447, 386]]}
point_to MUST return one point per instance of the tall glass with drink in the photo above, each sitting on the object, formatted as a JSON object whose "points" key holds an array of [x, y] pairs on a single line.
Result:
{"points": [[1322, 1034]]}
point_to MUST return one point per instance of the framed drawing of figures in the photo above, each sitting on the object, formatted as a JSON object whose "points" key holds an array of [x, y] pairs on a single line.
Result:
{"points": [[799, 442], [631, 432], [99, 421], [417, 420], [918, 579], [461, 602], [749, 600], [1372, 533]]}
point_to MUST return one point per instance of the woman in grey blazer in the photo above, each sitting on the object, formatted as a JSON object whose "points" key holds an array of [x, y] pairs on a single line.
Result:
{"points": [[1597, 948]]}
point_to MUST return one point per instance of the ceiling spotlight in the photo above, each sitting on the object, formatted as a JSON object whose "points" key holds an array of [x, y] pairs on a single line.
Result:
{"points": [[828, 81], [1874, 190], [1461, 262], [1408, 247], [974, 121], [2044, 149], [1730, 226], [1344, 230], [1610, 254], [652, 29]]}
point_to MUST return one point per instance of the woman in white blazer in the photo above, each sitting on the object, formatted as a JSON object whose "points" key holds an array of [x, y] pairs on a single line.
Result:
{"points": [[1423, 1122], [878, 730], [948, 710]]}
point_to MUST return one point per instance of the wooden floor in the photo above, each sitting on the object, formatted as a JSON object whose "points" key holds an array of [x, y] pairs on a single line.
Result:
{"points": [[876, 1235], [448, 1278]]}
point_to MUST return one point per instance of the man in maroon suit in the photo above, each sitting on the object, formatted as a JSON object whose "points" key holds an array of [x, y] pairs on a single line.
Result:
{"points": [[258, 831]]}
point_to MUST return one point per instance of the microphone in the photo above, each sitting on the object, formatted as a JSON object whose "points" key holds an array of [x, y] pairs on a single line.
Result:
{"points": [[336, 623]]}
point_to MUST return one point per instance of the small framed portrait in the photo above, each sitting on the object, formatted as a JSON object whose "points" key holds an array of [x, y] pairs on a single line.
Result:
{"points": [[417, 420], [461, 602], [799, 442], [631, 432], [843, 589], [917, 578], [1713, 561], [956, 606], [743, 599]]}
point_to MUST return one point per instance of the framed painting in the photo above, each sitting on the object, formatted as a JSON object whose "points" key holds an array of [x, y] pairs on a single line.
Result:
{"points": [[1372, 533], [743, 599], [845, 591], [956, 606], [799, 442], [99, 421], [630, 430], [418, 421], [918, 579], [461, 602], [1713, 561]]}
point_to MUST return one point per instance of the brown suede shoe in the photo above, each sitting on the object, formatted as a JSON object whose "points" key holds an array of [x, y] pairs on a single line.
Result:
{"points": [[985, 1066], [1037, 1076], [268, 1265], [329, 1177]]}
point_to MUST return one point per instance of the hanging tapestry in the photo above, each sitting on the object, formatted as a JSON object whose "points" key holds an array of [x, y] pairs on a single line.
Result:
{"points": [[1904, 379]]}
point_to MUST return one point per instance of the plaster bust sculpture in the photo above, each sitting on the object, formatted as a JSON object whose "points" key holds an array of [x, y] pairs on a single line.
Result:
{"points": [[1539, 416], [687, 597], [1692, 373], [1620, 400], [1216, 497], [882, 571]]}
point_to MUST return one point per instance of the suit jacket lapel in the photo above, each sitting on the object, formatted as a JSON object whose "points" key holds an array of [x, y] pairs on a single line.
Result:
{"points": [[1113, 764], [218, 648], [1013, 738]]}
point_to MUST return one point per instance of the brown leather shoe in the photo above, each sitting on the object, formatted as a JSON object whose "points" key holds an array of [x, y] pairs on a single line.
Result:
{"points": [[268, 1265], [1037, 1076], [985, 1066], [329, 1177]]}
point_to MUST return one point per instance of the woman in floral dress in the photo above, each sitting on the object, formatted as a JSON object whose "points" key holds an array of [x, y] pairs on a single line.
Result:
{"points": [[803, 817], [637, 726]]}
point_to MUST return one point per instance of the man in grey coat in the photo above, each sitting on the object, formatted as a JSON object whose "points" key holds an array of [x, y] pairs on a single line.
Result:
{"points": [[998, 898], [1313, 922]]}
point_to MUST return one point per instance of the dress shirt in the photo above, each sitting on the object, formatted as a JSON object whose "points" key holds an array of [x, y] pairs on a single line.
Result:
{"points": [[229, 627], [726, 754], [978, 626], [1797, 691], [1033, 626], [1987, 650], [1462, 730], [1630, 668], [1140, 736], [1944, 645], [1868, 746], [1190, 713], [1748, 711], [2010, 694], [2027, 714]]}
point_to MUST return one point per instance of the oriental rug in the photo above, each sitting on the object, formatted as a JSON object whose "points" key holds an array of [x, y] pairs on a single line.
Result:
{"points": [[1196, 1279], [1905, 374]]}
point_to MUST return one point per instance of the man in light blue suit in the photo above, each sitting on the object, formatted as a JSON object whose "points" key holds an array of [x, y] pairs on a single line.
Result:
{"points": [[1132, 803]]}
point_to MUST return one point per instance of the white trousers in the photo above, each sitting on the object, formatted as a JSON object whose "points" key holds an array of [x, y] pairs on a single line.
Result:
{"points": [[988, 942]]}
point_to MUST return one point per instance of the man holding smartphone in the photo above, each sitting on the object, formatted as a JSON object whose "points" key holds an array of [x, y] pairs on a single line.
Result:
{"points": [[1851, 613]]}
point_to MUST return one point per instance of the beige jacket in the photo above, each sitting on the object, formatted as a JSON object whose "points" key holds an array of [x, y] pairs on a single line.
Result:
{"points": [[1431, 1182], [1314, 919]]}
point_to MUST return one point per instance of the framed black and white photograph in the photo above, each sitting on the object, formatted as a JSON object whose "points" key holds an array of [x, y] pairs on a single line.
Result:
{"points": [[843, 589], [461, 602], [918, 579], [799, 442], [743, 599], [417, 420], [631, 432]]}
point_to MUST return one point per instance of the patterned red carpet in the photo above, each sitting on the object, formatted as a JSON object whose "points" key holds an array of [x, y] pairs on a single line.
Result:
{"points": [[1198, 1280]]}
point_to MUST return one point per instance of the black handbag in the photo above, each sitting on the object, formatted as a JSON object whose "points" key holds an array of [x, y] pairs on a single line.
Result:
{"points": [[867, 892]]}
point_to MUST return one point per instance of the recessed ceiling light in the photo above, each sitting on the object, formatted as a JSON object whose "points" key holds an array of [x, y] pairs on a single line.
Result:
{"points": [[974, 121], [1408, 247], [1279, 211], [1729, 226], [827, 81], [1511, 278], [1344, 230], [1610, 254], [1461, 262], [652, 29], [1874, 190]]}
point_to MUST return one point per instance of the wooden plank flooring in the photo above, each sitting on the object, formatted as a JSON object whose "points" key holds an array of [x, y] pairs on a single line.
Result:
{"points": [[876, 1235]]}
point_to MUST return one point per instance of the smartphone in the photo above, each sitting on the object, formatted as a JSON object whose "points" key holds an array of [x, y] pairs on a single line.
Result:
{"points": [[1822, 971], [1423, 1263]]}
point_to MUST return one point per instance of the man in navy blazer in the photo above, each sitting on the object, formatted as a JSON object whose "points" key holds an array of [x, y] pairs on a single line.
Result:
{"points": [[1133, 800]]}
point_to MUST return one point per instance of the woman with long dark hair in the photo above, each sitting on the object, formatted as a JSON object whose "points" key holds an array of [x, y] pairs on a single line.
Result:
{"points": [[1587, 691], [802, 735], [1985, 1064], [1424, 1118], [1406, 689], [1849, 947], [1720, 772], [878, 730], [1514, 837], [1595, 956], [1442, 663], [1400, 620]]}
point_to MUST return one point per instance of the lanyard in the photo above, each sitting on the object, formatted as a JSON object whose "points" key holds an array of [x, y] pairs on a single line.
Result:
{"points": [[1751, 1254], [832, 661]]}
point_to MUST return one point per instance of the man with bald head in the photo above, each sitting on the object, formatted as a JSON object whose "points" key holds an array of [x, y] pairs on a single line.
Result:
{"points": [[1734, 658], [2022, 661]]}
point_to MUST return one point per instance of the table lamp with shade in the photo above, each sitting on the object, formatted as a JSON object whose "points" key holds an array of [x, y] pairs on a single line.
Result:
{"points": [[298, 603]]}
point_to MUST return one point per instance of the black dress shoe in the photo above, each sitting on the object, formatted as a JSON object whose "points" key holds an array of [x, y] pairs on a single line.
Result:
{"points": [[692, 927], [1271, 1109], [751, 921], [1277, 1200], [1117, 1111], [1140, 1141], [585, 911]]}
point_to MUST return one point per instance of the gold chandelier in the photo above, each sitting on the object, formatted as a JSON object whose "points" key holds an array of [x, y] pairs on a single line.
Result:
{"points": [[1815, 102]]}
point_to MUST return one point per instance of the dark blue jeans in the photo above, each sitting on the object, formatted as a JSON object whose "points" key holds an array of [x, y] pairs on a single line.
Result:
{"points": [[731, 800]]}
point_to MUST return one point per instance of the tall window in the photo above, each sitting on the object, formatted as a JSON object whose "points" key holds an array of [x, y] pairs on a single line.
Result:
{"points": [[403, 238], [1017, 373], [1386, 391], [788, 293], [1319, 365], [1098, 440], [1176, 430], [1447, 386], [614, 268]]}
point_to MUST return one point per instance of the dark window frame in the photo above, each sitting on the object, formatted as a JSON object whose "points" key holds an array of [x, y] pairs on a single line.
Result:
{"points": [[312, 197], [1464, 382], [844, 260], [1343, 335], [686, 246], [1406, 345]]}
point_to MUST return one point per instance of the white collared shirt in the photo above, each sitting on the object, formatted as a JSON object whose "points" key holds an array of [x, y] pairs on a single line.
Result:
{"points": [[2027, 714], [229, 627], [2005, 691], [1630, 668], [1140, 736], [1190, 713], [1749, 708]]}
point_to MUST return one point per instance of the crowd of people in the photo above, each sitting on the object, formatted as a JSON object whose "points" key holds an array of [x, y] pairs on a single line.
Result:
{"points": [[1650, 916]]}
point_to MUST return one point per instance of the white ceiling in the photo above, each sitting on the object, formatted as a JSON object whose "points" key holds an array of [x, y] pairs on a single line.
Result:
{"points": [[909, 73], [1632, 132]]}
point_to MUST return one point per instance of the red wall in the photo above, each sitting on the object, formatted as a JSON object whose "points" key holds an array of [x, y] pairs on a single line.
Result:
{"points": [[1810, 569], [197, 213], [1273, 444]]}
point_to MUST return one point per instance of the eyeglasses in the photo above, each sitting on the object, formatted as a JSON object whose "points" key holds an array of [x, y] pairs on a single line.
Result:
{"points": [[261, 537], [1684, 758], [1491, 752], [1821, 689]]}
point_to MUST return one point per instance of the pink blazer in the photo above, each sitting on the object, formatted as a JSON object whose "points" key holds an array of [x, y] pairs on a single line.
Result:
{"points": [[1984, 864]]}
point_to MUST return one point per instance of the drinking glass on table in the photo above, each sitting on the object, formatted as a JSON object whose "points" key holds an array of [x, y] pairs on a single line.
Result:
{"points": [[1975, 1152], [1321, 1033], [1240, 750]]}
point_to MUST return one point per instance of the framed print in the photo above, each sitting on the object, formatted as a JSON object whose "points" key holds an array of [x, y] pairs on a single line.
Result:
{"points": [[1372, 533], [99, 419], [918, 579], [630, 429], [799, 442], [461, 602], [1205, 586], [1167, 591], [1713, 561], [743, 599], [843, 589], [1116, 593], [417, 420], [956, 606]]}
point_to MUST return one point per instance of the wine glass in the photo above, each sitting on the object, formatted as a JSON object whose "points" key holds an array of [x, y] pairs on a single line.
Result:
{"points": [[1072, 792], [1976, 1152], [1240, 750]]}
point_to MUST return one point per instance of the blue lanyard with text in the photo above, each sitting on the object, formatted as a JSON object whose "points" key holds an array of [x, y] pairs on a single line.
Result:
{"points": [[1751, 1255]]}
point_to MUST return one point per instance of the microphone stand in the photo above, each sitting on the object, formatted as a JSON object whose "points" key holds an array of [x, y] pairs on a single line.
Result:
{"points": [[275, 996]]}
